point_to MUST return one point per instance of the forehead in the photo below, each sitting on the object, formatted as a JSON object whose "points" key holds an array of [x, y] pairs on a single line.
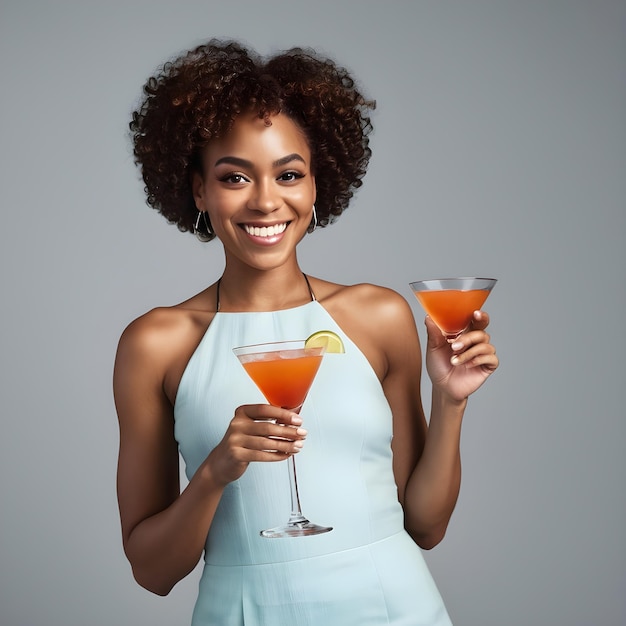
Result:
{"points": [[255, 139]]}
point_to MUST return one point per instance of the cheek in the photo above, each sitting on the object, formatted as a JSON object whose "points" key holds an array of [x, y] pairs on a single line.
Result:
{"points": [[304, 197], [220, 203]]}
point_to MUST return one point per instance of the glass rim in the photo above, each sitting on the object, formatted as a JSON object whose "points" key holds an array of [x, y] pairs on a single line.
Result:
{"points": [[483, 282], [275, 346]]}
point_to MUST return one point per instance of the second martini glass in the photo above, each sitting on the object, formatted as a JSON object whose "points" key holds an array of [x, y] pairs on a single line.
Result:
{"points": [[284, 372], [452, 301]]}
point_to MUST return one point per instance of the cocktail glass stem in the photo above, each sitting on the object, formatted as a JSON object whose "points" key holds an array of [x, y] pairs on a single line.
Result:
{"points": [[297, 525], [296, 516], [451, 338]]}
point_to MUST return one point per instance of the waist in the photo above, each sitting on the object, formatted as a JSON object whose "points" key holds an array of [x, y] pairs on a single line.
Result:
{"points": [[358, 517], [256, 550]]}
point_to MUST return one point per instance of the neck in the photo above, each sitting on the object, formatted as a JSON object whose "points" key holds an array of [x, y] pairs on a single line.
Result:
{"points": [[263, 290]]}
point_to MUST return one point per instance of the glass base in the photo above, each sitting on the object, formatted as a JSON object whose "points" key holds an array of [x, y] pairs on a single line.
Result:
{"points": [[303, 528]]}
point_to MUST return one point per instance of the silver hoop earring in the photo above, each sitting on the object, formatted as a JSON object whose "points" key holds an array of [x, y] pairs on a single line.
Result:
{"points": [[200, 236], [313, 224]]}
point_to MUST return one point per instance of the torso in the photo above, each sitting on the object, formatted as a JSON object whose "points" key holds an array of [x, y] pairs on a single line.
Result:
{"points": [[351, 425]]}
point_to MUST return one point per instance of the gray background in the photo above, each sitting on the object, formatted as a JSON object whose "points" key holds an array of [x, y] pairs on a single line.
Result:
{"points": [[500, 149]]}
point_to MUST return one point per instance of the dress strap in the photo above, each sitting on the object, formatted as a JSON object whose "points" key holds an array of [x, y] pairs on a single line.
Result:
{"points": [[219, 280], [308, 284]]}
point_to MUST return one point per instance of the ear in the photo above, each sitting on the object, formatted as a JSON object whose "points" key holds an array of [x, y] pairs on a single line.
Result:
{"points": [[197, 189]]}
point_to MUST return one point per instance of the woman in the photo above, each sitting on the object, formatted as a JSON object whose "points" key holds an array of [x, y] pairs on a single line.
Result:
{"points": [[257, 153]]}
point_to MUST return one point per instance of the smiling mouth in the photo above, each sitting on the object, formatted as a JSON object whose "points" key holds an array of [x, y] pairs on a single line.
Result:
{"points": [[265, 231]]}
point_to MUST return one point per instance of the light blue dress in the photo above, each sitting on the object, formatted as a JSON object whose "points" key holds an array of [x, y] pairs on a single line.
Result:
{"points": [[367, 570]]}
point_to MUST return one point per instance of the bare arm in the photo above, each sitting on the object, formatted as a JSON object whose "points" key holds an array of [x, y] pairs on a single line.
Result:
{"points": [[429, 485], [164, 531], [427, 464]]}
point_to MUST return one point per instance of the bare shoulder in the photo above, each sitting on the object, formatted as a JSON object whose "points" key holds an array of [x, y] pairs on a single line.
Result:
{"points": [[153, 333], [158, 344], [378, 319], [381, 301], [371, 304]]}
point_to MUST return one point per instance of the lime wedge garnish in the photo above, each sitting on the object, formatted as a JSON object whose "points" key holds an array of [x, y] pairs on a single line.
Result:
{"points": [[327, 339]]}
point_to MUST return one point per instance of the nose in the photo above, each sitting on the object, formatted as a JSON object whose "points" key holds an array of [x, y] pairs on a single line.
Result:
{"points": [[264, 197]]}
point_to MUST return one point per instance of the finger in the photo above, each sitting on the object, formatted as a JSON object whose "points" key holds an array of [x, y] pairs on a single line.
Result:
{"points": [[469, 339], [267, 412], [272, 446], [270, 456], [488, 362], [479, 351], [273, 430], [480, 320]]}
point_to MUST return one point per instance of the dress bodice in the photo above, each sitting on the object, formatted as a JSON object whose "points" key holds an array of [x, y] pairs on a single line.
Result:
{"points": [[344, 470]]}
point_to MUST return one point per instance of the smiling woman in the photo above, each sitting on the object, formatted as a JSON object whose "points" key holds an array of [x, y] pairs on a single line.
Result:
{"points": [[257, 187], [257, 153]]}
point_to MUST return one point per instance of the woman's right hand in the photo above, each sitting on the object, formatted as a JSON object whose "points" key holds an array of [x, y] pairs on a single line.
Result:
{"points": [[257, 432]]}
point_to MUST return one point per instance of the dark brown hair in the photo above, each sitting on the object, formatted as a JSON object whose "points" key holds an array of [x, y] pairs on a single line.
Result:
{"points": [[198, 95]]}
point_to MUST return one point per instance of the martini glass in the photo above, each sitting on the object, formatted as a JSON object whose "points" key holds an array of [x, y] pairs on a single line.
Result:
{"points": [[451, 302], [284, 372]]}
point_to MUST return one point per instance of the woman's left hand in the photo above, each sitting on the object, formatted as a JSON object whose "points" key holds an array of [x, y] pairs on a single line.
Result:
{"points": [[460, 368]]}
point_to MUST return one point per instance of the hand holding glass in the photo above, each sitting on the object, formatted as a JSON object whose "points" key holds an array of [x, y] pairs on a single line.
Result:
{"points": [[284, 372], [451, 302]]}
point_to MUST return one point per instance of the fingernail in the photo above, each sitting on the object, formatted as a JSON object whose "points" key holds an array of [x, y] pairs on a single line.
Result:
{"points": [[477, 315], [296, 420], [457, 345], [303, 432], [298, 444], [454, 360]]}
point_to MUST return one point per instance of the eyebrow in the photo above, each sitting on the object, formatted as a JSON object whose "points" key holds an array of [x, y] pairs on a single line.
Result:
{"points": [[231, 160]]}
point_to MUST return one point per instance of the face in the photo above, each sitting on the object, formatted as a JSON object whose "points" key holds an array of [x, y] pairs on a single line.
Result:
{"points": [[258, 189]]}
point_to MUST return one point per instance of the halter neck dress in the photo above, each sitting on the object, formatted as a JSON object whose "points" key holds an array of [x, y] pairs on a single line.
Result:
{"points": [[367, 570]]}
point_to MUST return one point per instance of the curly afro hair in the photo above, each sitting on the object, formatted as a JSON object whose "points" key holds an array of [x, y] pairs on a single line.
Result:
{"points": [[198, 95]]}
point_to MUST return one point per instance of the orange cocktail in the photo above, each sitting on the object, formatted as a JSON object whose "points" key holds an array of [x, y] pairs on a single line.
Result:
{"points": [[452, 301], [284, 378]]}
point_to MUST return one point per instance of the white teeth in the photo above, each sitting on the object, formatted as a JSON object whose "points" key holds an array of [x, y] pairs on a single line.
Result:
{"points": [[265, 231]]}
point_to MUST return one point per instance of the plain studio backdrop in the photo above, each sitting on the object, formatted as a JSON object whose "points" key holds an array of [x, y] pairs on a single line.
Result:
{"points": [[499, 149]]}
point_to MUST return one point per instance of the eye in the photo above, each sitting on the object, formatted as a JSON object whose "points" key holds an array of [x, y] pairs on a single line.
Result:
{"points": [[290, 176], [233, 178]]}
